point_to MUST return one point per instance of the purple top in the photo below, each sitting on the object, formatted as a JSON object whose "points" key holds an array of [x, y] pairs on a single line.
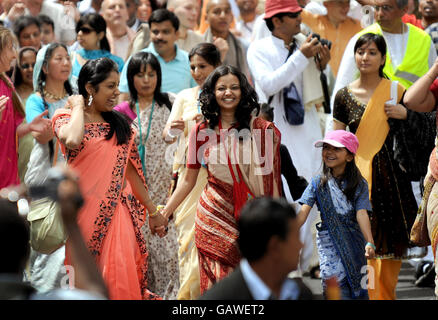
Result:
{"points": [[126, 110]]}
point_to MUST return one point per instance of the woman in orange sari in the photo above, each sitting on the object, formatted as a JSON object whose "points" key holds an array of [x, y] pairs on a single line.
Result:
{"points": [[242, 160], [99, 144]]}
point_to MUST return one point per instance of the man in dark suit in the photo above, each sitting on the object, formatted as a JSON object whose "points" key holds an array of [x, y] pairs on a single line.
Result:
{"points": [[269, 241]]}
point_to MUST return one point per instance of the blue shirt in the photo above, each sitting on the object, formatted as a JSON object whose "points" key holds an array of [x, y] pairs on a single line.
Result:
{"points": [[259, 290], [175, 73], [361, 198]]}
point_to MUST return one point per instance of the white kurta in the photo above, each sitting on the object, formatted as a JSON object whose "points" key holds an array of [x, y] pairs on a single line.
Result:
{"points": [[266, 60]]}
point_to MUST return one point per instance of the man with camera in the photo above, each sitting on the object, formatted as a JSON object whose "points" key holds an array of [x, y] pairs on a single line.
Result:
{"points": [[287, 76], [335, 26]]}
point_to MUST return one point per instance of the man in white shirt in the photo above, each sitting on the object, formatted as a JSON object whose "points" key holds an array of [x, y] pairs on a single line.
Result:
{"points": [[273, 70], [270, 246]]}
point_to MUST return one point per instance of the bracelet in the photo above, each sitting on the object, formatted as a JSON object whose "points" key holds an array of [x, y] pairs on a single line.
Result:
{"points": [[159, 208], [371, 245]]}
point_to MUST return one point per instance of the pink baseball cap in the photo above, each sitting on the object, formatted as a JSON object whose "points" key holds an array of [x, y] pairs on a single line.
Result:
{"points": [[340, 139], [272, 7]]}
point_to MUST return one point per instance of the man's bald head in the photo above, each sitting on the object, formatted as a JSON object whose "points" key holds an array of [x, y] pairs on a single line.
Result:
{"points": [[213, 3]]}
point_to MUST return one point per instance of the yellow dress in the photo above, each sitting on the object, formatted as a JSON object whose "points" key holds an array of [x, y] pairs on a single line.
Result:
{"points": [[186, 107]]}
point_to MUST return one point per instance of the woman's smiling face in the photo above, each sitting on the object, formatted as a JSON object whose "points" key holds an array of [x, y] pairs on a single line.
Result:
{"points": [[228, 93], [105, 98]]}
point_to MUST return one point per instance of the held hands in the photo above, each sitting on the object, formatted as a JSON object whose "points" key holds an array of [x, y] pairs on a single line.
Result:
{"points": [[158, 223], [396, 111]]}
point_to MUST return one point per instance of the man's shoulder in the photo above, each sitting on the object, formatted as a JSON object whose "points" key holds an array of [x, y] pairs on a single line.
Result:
{"points": [[233, 287], [262, 45]]}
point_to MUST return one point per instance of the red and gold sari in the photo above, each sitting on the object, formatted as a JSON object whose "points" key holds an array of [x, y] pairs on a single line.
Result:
{"points": [[111, 218], [215, 225]]}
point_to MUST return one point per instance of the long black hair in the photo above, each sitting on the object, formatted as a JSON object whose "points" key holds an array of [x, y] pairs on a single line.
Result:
{"points": [[98, 24], [380, 43], [95, 72], [352, 176], [247, 104], [137, 64]]}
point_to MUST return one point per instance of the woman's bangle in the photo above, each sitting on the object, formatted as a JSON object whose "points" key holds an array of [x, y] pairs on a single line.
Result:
{"points": [[371, 245], [159, 208]]}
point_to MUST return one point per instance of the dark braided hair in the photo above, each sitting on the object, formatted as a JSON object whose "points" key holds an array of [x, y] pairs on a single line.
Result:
{"points": [[247, 104], [94, 72]]}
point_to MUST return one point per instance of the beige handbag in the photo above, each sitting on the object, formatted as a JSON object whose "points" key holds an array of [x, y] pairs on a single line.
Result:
{"points": [[47, 232], [46, 226]]}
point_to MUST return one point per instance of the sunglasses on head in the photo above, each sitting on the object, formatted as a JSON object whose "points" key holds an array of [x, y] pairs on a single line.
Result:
{"points": [[85, 30], [27, 66], [293, 15]]}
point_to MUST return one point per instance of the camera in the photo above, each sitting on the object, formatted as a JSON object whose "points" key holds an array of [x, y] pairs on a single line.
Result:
{"points": [[323, 41], [50, 188]]}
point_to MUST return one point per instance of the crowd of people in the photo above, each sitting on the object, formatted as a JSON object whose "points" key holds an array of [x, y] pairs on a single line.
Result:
{"points": [[198, 135]]}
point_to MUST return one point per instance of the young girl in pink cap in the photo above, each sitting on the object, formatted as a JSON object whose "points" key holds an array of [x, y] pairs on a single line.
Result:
{"points": [[344, 237]]}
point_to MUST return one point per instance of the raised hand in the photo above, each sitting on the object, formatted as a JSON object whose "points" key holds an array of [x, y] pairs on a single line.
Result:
{"points": [[16, 11], [222, 46], [40, 124], [74, 101]]}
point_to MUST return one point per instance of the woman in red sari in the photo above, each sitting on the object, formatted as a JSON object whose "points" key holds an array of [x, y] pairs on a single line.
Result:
{"points": [[99, 144], [241, 154]]}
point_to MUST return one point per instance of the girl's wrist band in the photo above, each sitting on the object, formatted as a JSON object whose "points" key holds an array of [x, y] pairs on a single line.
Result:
{"points": [[371, 245]]}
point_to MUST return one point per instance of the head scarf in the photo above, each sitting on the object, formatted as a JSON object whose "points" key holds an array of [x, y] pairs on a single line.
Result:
{"points": [[39, 65]]}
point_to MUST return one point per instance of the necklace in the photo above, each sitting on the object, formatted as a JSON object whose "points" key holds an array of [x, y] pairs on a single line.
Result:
{"points": [[50, 95], [141, 146]]}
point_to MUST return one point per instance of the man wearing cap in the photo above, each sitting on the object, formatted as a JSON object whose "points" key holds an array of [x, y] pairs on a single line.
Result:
{"points": [[335, 26], [284, 70]]}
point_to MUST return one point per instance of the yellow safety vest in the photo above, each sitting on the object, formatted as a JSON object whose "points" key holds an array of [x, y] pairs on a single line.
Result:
{"points": [[416, 60]]}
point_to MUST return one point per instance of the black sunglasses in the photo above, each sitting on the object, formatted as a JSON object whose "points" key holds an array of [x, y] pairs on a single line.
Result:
{"points": [[85, 30], [293, 15], [27, 66]]}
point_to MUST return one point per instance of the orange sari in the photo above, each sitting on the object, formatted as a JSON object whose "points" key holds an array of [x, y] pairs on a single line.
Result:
{"points": [[111, 218]]}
